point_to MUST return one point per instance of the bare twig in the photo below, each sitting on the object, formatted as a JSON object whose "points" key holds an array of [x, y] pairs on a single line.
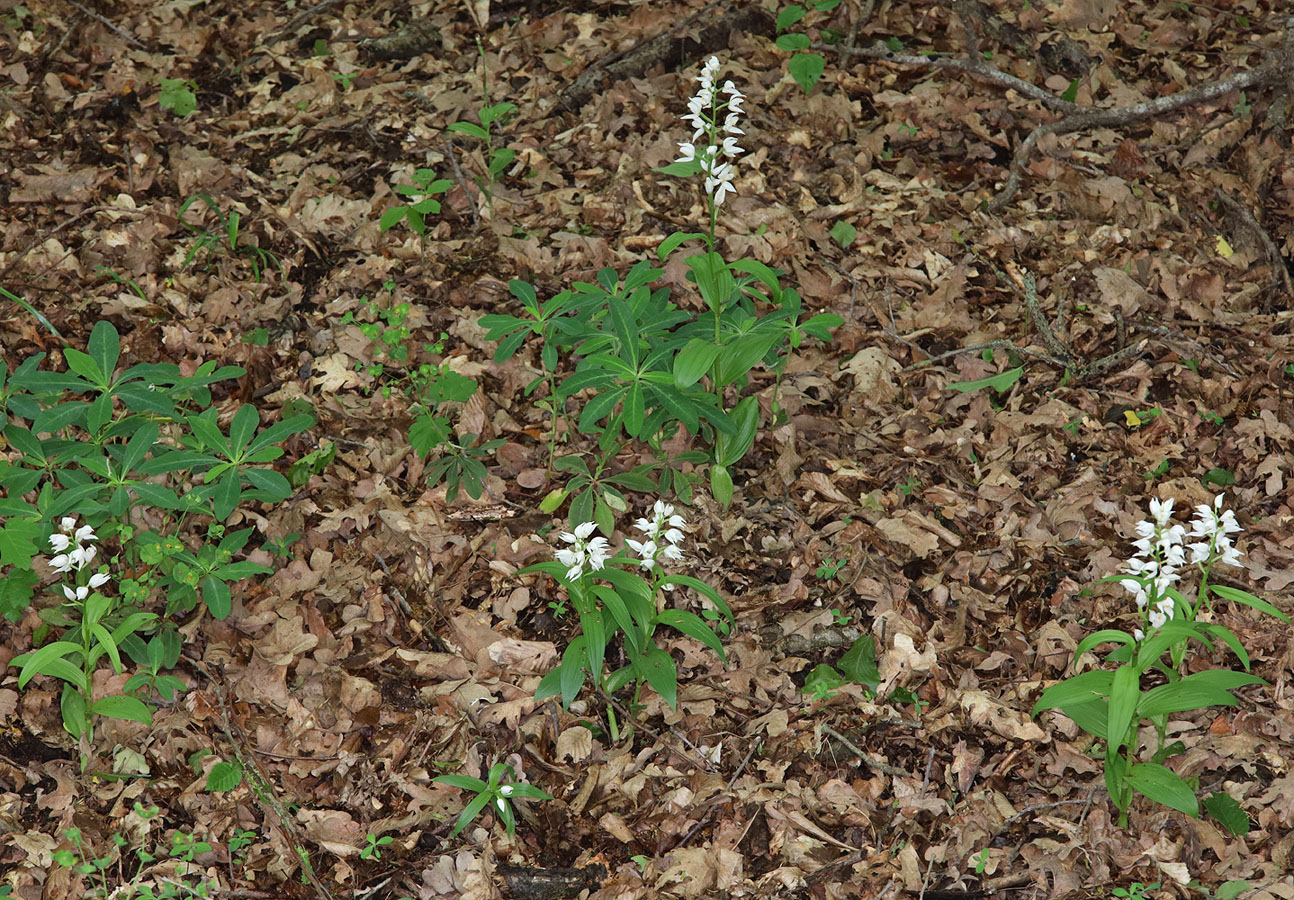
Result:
{"points": [[130, 38], [260, 785], [300, 19], [462, 182], [869, 761], [1280, 272], [975, 67], [1084, 120]]}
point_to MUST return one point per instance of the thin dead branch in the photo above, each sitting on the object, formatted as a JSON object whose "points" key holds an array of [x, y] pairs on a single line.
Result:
{"points": [[870, 761], [670, 48], [1280, 272], [1279, 70], [300, 19], [1137, 112], [976, 68], [1059, 353], [129, 38]]}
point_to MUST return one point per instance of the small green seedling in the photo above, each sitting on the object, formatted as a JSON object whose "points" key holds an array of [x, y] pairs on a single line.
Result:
{"points": [[373, 849], [1135, 891], [830, 568]]}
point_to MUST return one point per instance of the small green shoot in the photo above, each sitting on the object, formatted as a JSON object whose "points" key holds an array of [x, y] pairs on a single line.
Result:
{"points": [[373, 848]]}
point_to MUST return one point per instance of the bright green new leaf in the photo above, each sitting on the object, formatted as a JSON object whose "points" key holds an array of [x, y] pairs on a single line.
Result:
{"points": [[1000, 382]]}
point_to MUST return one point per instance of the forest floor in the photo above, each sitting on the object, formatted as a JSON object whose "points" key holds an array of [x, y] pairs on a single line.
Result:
{"points": [[965, 531]]}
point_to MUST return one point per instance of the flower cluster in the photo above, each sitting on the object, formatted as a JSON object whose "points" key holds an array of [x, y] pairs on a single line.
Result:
{"points": [[1215, 525], [583, 550], [1161, 552], [73, 557], [664, 533], [703, 112]]}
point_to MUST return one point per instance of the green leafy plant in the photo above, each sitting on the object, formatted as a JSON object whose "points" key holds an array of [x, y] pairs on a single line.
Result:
{"points": [[32, 311], [597, 494], [74, 658], [420, 202], [184, 880], [653, 367], [980, 861], [857, 665], [226, 236], [429, 387], [610, 598], [158, 655], [1135, 891], [1110, 704], [844, 233], [242, 839], [108, 446], [496, 793], [1001, 382], [830, 568], [121, 279], [806, 67], [496, 158], [178, 95]]}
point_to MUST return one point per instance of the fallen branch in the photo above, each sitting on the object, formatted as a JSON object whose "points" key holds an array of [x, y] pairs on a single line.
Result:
{"points": [[1269, 74], [1279, 70], [129, 38], [1060, 353], [976, 68], [665, 49], [1280, 272]]}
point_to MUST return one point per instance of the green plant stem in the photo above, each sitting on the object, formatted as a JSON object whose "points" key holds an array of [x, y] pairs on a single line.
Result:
{"points": [[552, 401]]}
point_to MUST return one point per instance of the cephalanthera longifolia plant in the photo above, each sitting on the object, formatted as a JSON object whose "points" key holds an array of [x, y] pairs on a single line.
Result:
{"points": [[610, 595], [94, 632], [649, 367], [1111, 704]]}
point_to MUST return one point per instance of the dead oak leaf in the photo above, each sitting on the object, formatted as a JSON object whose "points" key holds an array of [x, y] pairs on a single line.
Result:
{"points": [[57, 185]]}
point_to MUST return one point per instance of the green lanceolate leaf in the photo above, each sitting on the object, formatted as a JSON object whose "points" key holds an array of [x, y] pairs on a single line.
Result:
{"points": [[1125, 689], [693, 362], [657, 668], [121, 706], [693, 626], [1000, 382], [1248, 599], [1163, 785], [721, 485], [729, 449]]}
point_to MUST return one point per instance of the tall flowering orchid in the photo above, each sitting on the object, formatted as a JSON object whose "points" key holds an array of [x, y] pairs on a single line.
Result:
{"points": [[74, 547], [714, 113], [1155, 567], [582, 550], [1112, 704], [703, 113]]}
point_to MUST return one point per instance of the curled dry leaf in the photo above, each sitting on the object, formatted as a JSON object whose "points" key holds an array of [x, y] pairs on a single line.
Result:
{"points": [[985, 712]]}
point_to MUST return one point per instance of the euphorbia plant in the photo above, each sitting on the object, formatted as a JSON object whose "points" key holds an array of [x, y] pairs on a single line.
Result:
{"points": [[1111, 704]]}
